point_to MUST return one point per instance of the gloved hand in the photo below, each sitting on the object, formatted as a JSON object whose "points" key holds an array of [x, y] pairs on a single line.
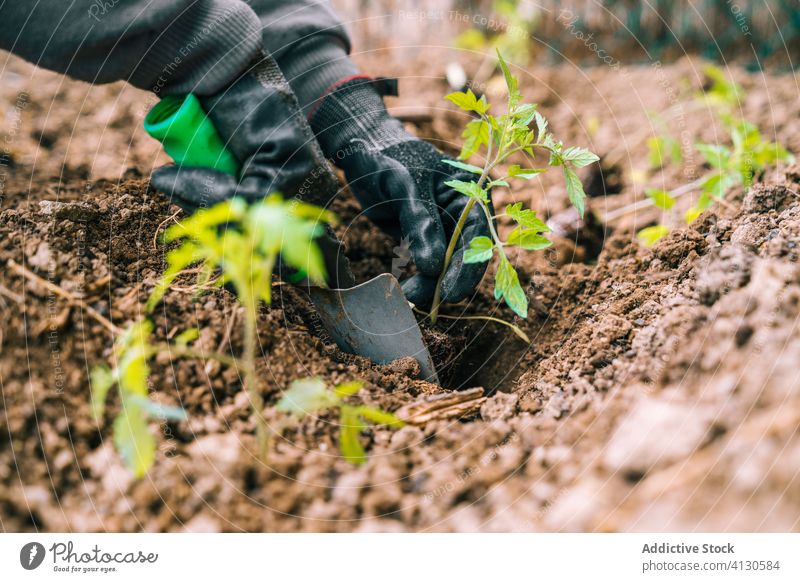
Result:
{"points": [[258, 118], [400, 182]]}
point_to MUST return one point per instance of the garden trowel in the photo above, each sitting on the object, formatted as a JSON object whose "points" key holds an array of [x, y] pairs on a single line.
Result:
{"points": [[373, 319]]}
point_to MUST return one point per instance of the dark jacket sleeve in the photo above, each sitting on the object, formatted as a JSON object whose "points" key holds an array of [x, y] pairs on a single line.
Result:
{"points": [[166, 46], [309, 43]]}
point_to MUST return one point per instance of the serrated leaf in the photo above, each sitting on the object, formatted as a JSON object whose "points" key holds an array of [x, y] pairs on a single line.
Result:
{"points": [[525, 113], [470, 189], [467, 101], [508, 288], [462, 99], [306, 396], [574, 190], [463, 166], [717, 185], [378, 416], [101, 380], [528, 240], [350, 429], [516, 171], [187, 336], [497, 184], [578, 157], [475, 135], [480, 250], [541, 126], [661, 198], [526, 217], [133, 440], [348, 388], [511, 82], [652, 234]]}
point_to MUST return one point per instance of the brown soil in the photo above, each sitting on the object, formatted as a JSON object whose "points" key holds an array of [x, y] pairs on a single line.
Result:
{"points": [[660, 391]]}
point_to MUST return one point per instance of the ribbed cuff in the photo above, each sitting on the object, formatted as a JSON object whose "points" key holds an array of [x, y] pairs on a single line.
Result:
{"points": [[353, 114], [314, 65], [202, 50]]}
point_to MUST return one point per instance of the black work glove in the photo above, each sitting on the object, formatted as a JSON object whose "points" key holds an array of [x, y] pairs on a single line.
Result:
{"points": [[261, 124], [400, 182]]}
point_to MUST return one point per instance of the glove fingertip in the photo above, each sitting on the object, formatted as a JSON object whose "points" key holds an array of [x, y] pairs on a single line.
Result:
{"points": [[419, 290]]}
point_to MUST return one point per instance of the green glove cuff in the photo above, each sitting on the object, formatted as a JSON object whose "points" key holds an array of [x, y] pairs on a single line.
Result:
{"points": [[188, 135]]}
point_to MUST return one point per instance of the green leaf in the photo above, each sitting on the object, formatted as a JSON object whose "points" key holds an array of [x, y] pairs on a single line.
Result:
{"points": [[463, 99], [526, 217], [470, 189], [349, 431], [528, 240], [718, 156], [717, 185], [305, 397], [467, 101], [508, 288], [133, 440], [480, 250], [378, 416], [511, 83], [156, 410], [101, 380], [475, 135], [661, 198], [652, 234], [463, 166], [703, 203], [187, 336], [516, 171], [541, 126], [574, 190], [578, 157], [525, 113], [348, 388]]}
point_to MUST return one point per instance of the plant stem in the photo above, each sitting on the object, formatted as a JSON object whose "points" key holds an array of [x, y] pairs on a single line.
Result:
{"points": [[517, 331], [186, 352], [250, 378], [451, 247]]}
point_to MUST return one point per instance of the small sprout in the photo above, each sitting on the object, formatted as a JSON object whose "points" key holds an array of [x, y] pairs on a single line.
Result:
{"points": [[736, 164], [504, 136], [132, 437], [310, 395], [244, 243]]}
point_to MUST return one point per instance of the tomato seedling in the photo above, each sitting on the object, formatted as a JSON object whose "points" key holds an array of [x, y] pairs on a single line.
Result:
{"points": [[243, 243], [502, 136]]}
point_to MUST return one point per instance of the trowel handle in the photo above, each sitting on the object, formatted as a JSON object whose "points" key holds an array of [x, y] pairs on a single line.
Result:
{"points": [[187, 134]]}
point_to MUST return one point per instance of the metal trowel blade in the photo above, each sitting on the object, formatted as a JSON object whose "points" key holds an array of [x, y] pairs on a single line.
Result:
{"points": [[374, 320]]}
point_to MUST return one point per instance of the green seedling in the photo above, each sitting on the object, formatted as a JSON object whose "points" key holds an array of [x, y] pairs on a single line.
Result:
{"points": [[310, 395], [745, 155], [132, 437], [662, 148], [243, 243], [500, 137]]}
